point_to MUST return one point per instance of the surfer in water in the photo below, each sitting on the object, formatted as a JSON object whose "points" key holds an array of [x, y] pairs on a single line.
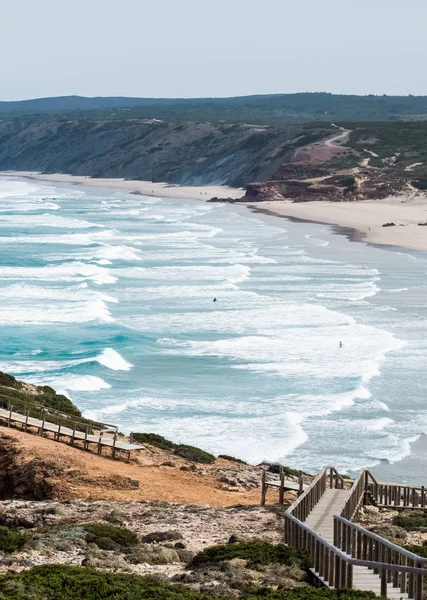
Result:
{"points": [[215, 300], [341, 345]]}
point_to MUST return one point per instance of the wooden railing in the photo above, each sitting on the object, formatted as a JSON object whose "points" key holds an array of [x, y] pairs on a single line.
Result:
{"points": [[335, 567], [353, 545], [357, 494], [397, 495], [58, 417], [360, 543]]}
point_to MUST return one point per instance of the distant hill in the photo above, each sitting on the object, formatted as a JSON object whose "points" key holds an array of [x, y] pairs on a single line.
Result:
{"points": [[261, 109]]}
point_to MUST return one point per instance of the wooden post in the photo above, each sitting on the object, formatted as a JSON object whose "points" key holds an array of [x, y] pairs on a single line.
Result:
{"points": [[326, 569], [27, 414], [73, 434], [403, 562], [337, 578], [263, 487], [10, 415], [331, 561], [343, 573], [395, 574], [282, 487], [86, 443], [43, 420], [411, 580], [99, 443], [301, 484], [419, 584], [349, 583], [114, 444], [384, 583], [423, 498]]}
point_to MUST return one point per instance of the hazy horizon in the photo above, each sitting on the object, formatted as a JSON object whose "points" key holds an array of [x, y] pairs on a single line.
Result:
{"points": [[189, 49]]}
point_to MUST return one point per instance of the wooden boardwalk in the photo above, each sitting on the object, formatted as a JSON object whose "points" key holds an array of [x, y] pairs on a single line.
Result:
{"points": [[343, 553], [321, 520], [103, 439]]}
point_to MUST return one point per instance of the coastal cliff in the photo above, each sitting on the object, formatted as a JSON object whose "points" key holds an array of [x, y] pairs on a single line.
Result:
{"points": [[298, 162]]}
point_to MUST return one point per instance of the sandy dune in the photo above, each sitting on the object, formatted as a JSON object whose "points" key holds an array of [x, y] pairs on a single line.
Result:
{"points": [[147, 188], [367, 217]]}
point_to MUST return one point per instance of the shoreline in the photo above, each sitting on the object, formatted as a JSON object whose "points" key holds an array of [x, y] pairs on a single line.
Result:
{"points": [[145, 188], [360, 221], [281, 209]]}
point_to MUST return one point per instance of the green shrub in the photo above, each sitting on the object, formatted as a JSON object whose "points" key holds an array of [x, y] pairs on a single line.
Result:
{"points": [[154, 439], [98, 532], [419, 550], [255, 553], [10, 541], [194, 454], [233, 459], [411, 519], [9, 381], [51, 582], [188, 452]]}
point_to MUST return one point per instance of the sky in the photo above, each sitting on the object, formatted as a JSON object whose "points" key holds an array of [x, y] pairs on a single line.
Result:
{"points": [[201, 48]]}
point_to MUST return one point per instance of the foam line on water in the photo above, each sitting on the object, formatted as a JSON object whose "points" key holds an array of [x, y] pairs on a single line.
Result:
{"points": [[70, 382]]}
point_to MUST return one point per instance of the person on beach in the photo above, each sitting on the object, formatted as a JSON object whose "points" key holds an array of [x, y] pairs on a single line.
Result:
{"points": [[341, 345]]}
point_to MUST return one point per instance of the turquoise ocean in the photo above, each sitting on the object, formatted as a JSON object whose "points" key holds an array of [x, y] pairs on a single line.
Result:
{"points": [[108, 297]]}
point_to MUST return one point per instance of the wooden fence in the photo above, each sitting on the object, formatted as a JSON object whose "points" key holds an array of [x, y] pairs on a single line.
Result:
{"points": [[353, 545]]}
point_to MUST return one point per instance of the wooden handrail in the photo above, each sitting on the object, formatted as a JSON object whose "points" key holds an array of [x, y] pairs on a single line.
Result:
{"points": [[356, 561], [380, 539], [62, 414], [353, 544]]}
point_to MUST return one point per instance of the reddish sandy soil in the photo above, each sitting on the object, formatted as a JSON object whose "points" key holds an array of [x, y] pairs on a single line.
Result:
{"points": [[29, 462]]}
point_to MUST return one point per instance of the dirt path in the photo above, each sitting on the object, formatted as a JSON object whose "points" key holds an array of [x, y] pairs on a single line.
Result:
{"points": [[341, 137], [72, 473]]}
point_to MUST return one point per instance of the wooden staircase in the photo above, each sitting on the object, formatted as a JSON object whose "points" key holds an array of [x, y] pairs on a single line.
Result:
{"points": [[321, 520], [344, 554]]}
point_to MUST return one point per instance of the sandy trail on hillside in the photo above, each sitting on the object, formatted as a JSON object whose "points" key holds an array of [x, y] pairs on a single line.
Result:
{"points": [[146, 188], [367, 217], [78, 474]]}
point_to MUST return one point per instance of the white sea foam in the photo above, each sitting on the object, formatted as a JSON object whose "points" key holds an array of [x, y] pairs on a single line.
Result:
{"points": [[72, 293], [45, 220], [77, 312], [113, 360], [379, 424], [72, 271], [232, 274], [72, 239], [75, 383], [110, 253]]}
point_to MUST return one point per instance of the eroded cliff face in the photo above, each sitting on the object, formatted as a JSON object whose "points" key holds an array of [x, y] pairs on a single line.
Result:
{"points": [[290, 162], [152, 150]]}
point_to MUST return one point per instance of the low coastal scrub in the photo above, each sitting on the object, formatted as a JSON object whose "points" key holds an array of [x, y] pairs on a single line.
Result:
{"points": [[288, 471], [256, 553], [191, 453], [154, 440], [232, 459], [78, 583], [194, 454], [419, 550], [10, 541], [411, 519], [100, 533]]}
